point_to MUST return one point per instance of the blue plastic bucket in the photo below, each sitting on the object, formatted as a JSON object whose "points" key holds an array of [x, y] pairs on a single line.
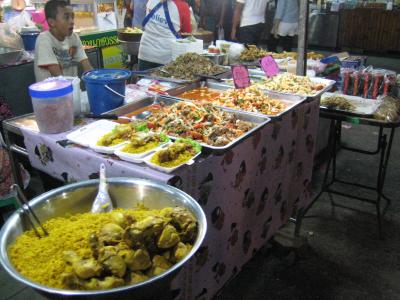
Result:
{"points": [[29, 39], [105, 89]]}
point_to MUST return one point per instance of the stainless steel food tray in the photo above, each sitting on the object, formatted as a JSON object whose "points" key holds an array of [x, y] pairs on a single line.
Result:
{"points": [[252, 72], [9, 56], [148, 74], [291, 100], [327, 82], [363, 107], [259, 120]]}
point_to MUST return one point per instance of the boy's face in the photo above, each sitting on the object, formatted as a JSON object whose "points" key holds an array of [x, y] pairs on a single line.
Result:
{"points": [[63, 24]]}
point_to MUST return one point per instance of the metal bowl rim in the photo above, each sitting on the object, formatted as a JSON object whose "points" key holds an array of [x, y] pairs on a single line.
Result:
{"points": [[118, 180]]}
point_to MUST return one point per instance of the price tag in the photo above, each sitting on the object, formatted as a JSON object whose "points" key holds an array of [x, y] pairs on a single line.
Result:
{"points": [[269, 66], [240, 76]]}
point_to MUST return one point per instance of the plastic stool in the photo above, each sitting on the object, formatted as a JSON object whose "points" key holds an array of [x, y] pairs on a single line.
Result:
{"points": [[9, 201], [4, 202]]}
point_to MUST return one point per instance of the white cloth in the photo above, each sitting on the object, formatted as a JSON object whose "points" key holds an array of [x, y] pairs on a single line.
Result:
{"points": [[253, 12], [287, 29], [50, 51], [157, 38]]}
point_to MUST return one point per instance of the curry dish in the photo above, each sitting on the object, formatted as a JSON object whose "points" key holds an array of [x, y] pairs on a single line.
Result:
{"points": [[103, 251], [142, 142], [176, 154], [120, 134], [201, 94]]}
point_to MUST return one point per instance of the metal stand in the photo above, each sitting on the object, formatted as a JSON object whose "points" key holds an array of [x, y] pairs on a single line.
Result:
{"points": [[383, 148]]}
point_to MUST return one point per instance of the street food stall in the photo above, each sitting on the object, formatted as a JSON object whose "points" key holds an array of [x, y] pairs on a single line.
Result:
{"points": [[251, 172], [237, 141]]}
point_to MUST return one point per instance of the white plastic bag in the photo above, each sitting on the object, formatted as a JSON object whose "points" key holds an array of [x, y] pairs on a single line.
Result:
{"points": [[9, 38], [183, 46], [19, 21]]}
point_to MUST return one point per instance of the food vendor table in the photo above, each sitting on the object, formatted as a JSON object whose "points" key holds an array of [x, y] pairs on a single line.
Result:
{"points": [[247, 193], [383, 148]]}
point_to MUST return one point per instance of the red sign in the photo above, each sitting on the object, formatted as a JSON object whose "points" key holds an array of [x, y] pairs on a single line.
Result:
{"points": [[240, 76], [269, 66]]}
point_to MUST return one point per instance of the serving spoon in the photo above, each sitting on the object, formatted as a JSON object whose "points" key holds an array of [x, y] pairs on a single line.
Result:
{"points": [[102, 203], [141, 116]]}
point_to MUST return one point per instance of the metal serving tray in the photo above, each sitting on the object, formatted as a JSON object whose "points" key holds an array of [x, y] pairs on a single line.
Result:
{"points": [[291, 100], [327, 82], [363, 107], [252, 71], [9, 56], [148, 74], [259, 120]]}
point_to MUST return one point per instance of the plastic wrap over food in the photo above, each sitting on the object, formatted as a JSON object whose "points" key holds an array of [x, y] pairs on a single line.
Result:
{"points": [[389, 110], [368, 82]]}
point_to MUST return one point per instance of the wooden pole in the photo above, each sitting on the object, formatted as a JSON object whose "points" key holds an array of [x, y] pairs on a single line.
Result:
{"points": [[302, 38]]}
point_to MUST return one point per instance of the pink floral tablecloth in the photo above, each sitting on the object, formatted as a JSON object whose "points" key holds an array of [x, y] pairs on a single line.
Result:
{"points": [[247, 193]]}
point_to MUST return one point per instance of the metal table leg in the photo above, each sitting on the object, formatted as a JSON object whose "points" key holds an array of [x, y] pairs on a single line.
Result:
{"points": [[331, 150], [383, 148], [13, 150]]}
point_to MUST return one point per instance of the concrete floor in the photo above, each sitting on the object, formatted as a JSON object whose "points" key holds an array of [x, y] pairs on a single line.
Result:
{"points": [[343, 257]]}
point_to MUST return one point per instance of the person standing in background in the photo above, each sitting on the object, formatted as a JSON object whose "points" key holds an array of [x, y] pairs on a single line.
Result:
{"points": [[229, 7], [249, 16], [138, 8], [212, 14], [11, 8], [128, 14], [164, 22], [286, 23], [195, 5]]}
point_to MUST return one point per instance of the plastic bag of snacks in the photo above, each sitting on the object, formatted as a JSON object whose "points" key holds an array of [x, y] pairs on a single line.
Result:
{"points": [[367, 83], [389, 110]]}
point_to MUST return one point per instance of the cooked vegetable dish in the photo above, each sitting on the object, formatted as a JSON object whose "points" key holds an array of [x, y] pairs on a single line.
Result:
{"points": [[337, 102], [252, 53], [249, 99], [103, 251], [292, 84], [188, 66], [200, 121], [143, 142], [178, 153]]}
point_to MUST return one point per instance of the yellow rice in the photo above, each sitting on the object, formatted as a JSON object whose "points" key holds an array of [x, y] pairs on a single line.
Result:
{"points": [[41, 260]]}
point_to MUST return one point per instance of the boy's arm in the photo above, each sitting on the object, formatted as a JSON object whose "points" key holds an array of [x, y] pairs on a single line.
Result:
{"points": [[86, 66], [55, 70]]}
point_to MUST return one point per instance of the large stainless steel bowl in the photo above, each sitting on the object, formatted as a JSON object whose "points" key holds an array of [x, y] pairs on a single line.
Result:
{"points": [[78, 198]]}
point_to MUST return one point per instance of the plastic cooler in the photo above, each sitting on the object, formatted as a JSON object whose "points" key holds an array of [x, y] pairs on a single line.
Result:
{"points": [[53, 105], [105, 89]]}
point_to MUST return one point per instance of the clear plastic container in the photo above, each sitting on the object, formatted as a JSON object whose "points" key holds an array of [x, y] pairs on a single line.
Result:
{"points": [[53, 105]]}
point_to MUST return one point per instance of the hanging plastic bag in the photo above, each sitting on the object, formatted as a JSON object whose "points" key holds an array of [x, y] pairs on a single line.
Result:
{"points": [[9, 38], [21, 20], [221, 33]]}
